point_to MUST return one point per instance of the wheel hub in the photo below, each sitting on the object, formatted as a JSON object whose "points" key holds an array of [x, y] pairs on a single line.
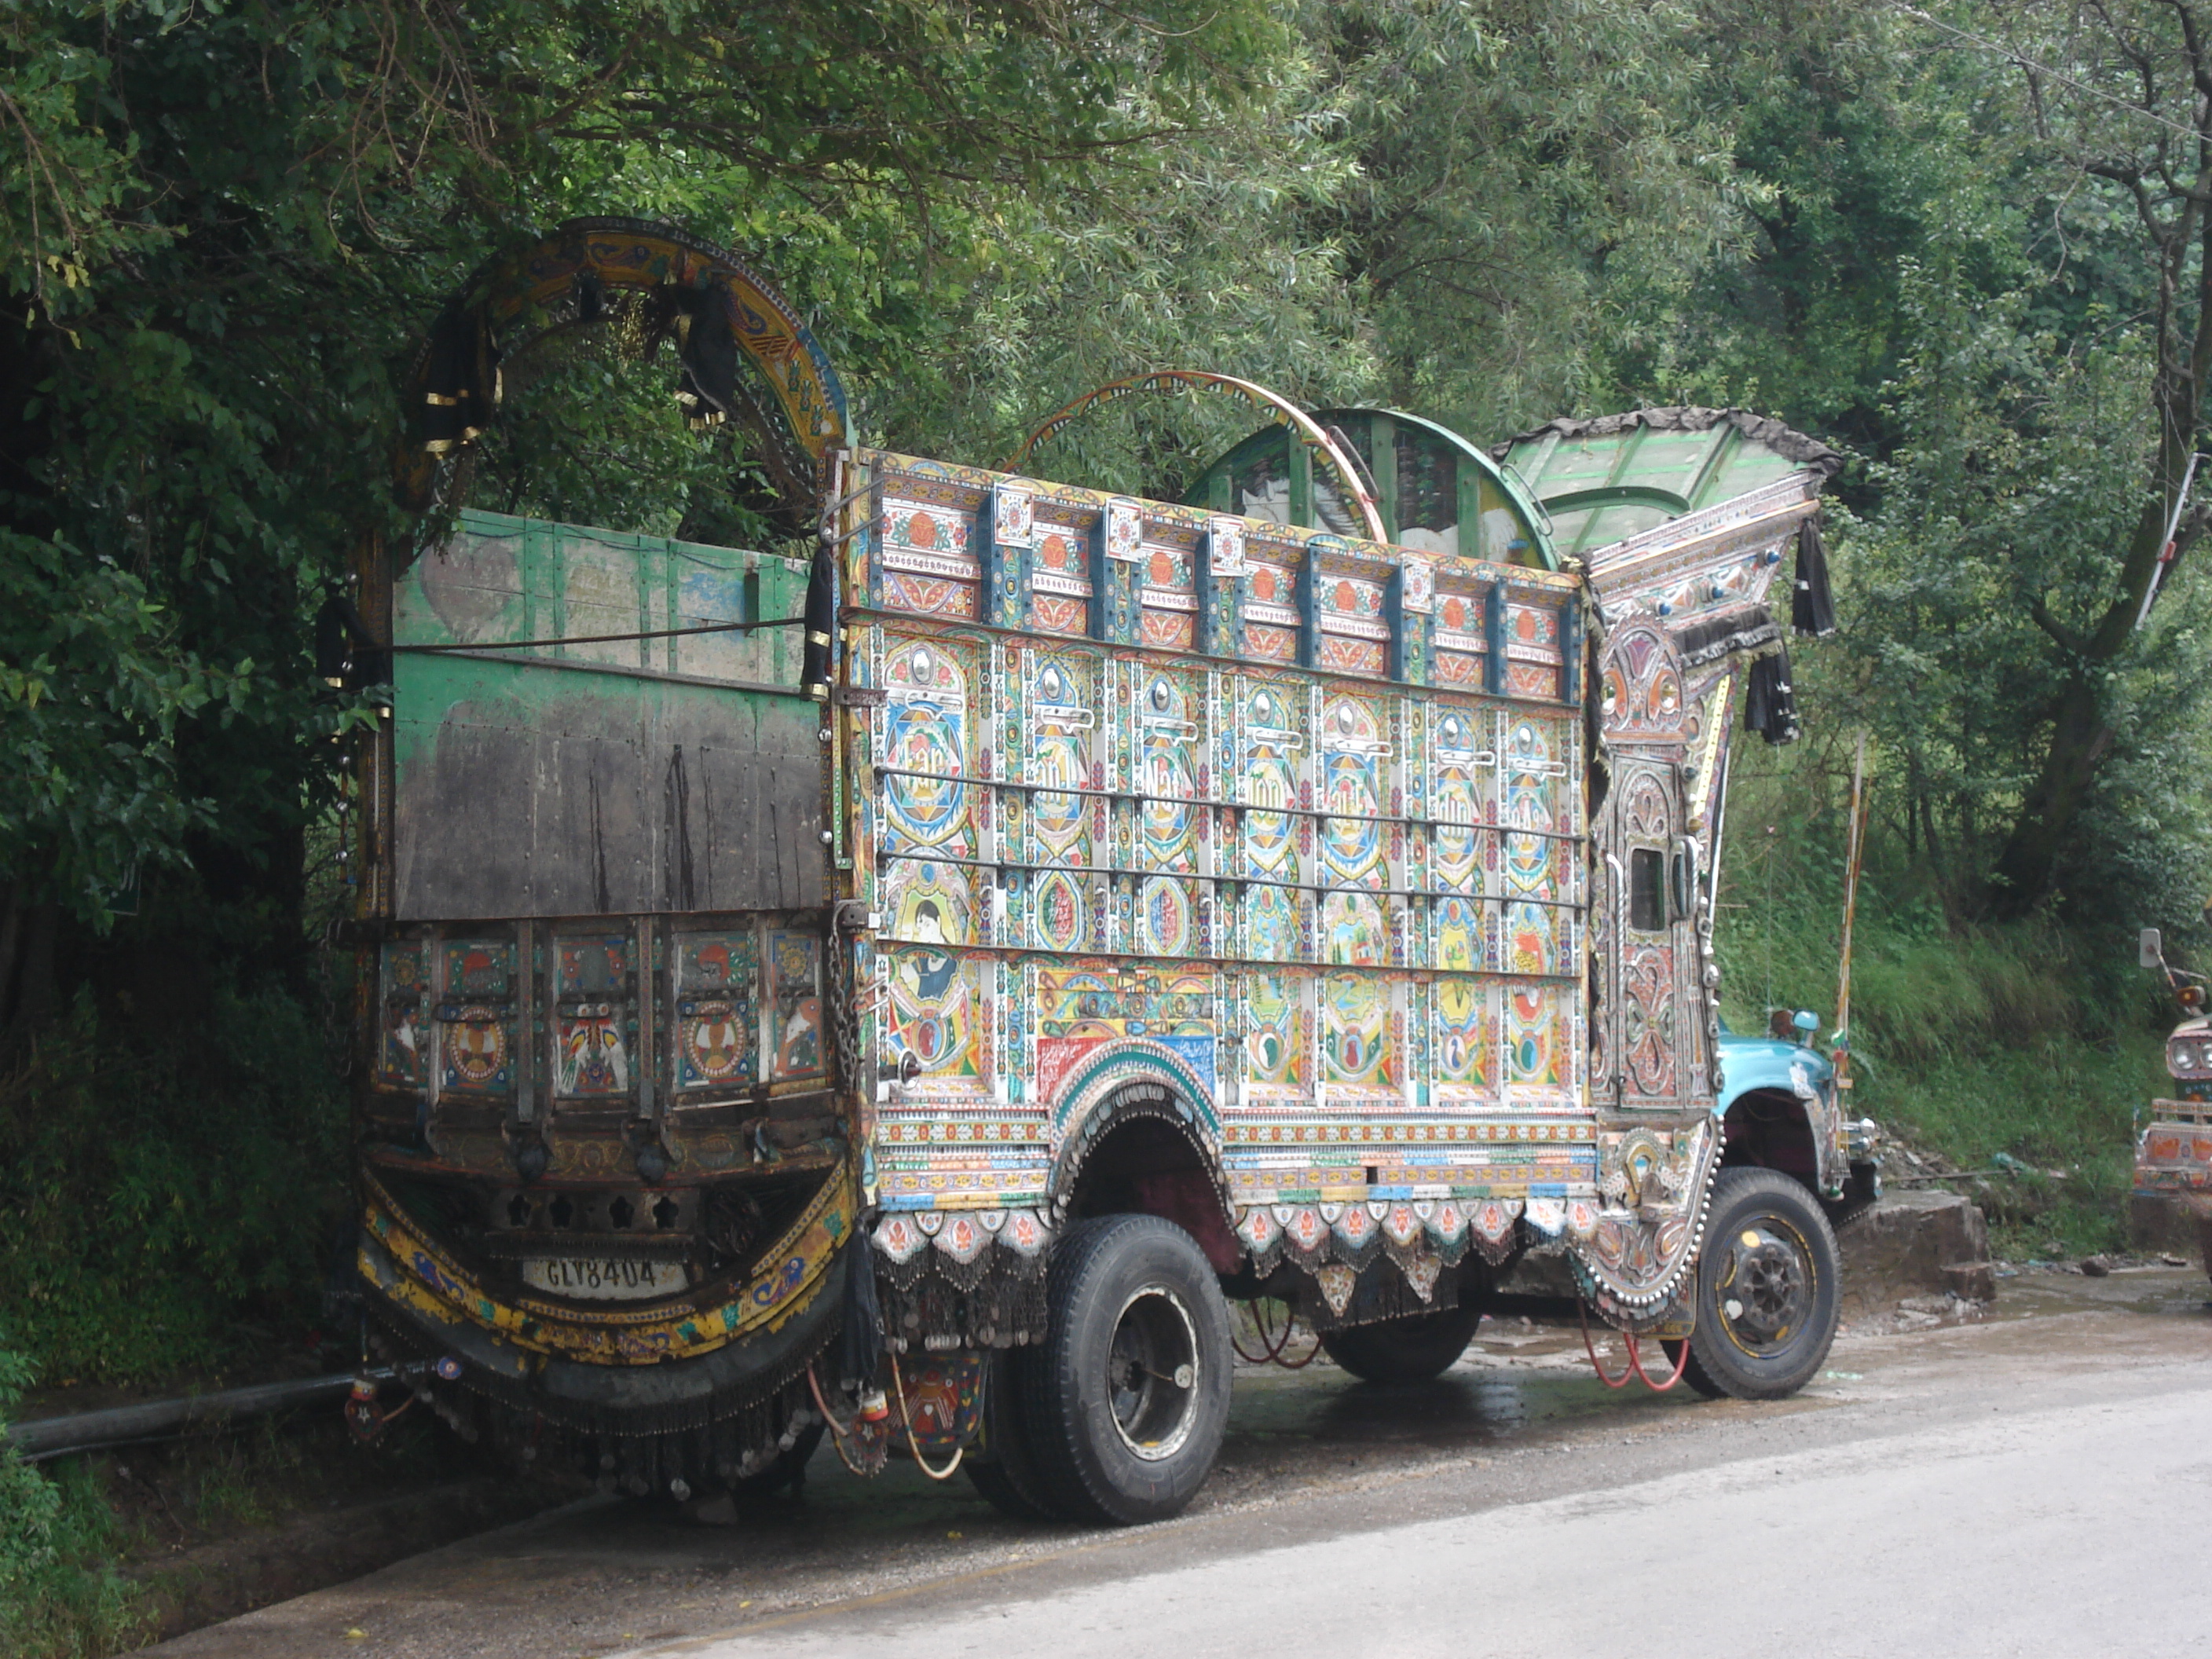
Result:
{"points": [[1151, 1374], [1766, 1289]]}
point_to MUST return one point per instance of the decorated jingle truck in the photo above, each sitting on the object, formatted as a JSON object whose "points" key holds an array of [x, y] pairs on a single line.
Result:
{"points": [[2173, 1149], [909, 982]]}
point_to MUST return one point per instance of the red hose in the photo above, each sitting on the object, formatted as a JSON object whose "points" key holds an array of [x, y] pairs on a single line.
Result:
{"points": [[1682, 1364], [1582, 1313]]}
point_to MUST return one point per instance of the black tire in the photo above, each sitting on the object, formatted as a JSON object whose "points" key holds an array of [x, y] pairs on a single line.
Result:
{"points": [[1126, 1403], [1415, 1349], [1694, 1373], [1002, 1465], [1769, 1289]]}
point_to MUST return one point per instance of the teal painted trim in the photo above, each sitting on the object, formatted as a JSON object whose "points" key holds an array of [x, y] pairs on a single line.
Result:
{"points": [[1309, 601], [1493, 636], [1131, 1058]]}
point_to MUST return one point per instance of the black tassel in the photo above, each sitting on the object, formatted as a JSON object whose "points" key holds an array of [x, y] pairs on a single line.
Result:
{"points": [[1712, 638], [461, 384], [346, 653], [861, 1349], [821, 621], [590, 297], [1812, 608], [707, 385], [1769, 705]]}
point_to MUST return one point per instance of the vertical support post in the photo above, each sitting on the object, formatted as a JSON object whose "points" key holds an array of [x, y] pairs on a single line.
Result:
{"points": [[1006, 555], [1302, 488], [1116, 552], [644, 986], [527, 1045], [1309, 603], [1843, 1037], [1383, 463], [1218, 570], [1570, 648], [1468, 477], [1493, 638]]}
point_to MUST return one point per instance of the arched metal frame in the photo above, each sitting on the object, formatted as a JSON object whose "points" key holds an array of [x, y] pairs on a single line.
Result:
{"points": [[809, 419], [1277, 409], [1508, 483]]}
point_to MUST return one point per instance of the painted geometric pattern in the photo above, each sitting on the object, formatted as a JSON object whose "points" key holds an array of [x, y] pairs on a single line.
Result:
{"points": [[716, 1036], [475, 1025], [927, 744]]}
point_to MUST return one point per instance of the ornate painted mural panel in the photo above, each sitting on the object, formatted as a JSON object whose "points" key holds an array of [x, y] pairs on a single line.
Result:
{"points": [[1310, 899]]}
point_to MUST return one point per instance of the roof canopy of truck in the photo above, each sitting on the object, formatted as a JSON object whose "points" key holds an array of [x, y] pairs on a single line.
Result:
{"points": [[1603, 481]]}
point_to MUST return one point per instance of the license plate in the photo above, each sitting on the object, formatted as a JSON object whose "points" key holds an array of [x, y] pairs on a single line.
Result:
{"points": [[599, 1279]]}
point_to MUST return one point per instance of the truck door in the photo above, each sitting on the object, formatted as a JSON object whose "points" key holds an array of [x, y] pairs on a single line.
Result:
{"points": [[1655, 1057]]}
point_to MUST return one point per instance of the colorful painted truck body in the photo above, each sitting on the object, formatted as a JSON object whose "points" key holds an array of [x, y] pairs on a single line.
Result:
{"points": [[923, 1024]]}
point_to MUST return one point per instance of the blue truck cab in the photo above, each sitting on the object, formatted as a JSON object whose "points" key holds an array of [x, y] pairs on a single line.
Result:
{"points": [[1780, 1107]]}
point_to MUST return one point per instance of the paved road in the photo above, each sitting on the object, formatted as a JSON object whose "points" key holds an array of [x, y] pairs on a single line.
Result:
{"points": [[2040, 1482]]}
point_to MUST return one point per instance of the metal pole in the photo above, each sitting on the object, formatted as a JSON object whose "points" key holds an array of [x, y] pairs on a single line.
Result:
{"points": [[2166, 547], [1842, 1051], [164, 1420]]}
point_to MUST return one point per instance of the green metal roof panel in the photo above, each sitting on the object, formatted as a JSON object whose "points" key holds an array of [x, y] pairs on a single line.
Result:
{"points": [[1607, 479]]}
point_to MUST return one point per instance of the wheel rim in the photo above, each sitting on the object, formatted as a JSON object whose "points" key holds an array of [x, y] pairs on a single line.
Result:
{"points": [[1152, 1374], [1766, 1285]]}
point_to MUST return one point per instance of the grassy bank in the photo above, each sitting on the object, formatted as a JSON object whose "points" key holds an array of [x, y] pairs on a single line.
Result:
{"points": [[60, 1595], [2032, 1046]]}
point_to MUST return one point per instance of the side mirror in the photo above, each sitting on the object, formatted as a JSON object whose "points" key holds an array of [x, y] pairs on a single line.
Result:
{"points": [[1806, 1023], [2147, 951]]}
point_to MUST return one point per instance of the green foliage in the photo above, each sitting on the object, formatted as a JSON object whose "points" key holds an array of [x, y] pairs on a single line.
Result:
{"points": [[2031, 1040], [60, 1597], [161, 1199]]}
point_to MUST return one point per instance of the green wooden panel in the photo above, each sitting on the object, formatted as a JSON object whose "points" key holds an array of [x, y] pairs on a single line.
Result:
{"points": [[599, 775]]}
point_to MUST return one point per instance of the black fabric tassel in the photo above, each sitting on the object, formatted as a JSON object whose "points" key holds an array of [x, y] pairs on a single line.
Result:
{"points": [[1712, 638], [1812, 608], [860, 1349], [821, 619], [708, 386], [461, 386], [1769, 706]]}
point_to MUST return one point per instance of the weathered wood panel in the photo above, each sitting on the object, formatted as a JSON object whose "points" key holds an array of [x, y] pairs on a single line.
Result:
{"points": [[616, 777]]}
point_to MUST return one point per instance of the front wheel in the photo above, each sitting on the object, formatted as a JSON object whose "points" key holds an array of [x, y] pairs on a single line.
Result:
{"points": [[1415, 1349], [1769, 1292], [1126, 1403]]}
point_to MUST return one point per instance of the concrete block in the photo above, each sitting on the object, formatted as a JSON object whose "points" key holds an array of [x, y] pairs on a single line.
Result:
{"points": [[1976, 1281], [2171, 1226], [1901, 1246]]}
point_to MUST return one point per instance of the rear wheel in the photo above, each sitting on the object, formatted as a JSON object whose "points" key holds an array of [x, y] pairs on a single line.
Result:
{"points": [[1126, 1402], [1412, 1350], [1768, 1292]]}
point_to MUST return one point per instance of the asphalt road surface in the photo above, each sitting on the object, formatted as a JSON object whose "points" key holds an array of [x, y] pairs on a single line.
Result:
{"points": [[2036, 1482]]}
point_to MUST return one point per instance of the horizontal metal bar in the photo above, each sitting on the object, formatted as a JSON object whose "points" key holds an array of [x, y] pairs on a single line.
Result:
{"points": [[923, 856], [1088, 794], [159, 1420], [569, 665], [880, 616], [596, 639]]}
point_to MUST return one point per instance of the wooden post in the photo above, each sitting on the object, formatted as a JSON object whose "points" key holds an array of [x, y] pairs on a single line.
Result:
{"points": [[1843, 1050]]}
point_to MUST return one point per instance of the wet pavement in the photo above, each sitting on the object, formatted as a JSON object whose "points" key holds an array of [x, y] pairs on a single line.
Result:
{"points": [[2073, 1410]]}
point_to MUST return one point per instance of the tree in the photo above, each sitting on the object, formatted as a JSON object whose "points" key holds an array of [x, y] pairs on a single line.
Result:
{"points": [[223, 228]]}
